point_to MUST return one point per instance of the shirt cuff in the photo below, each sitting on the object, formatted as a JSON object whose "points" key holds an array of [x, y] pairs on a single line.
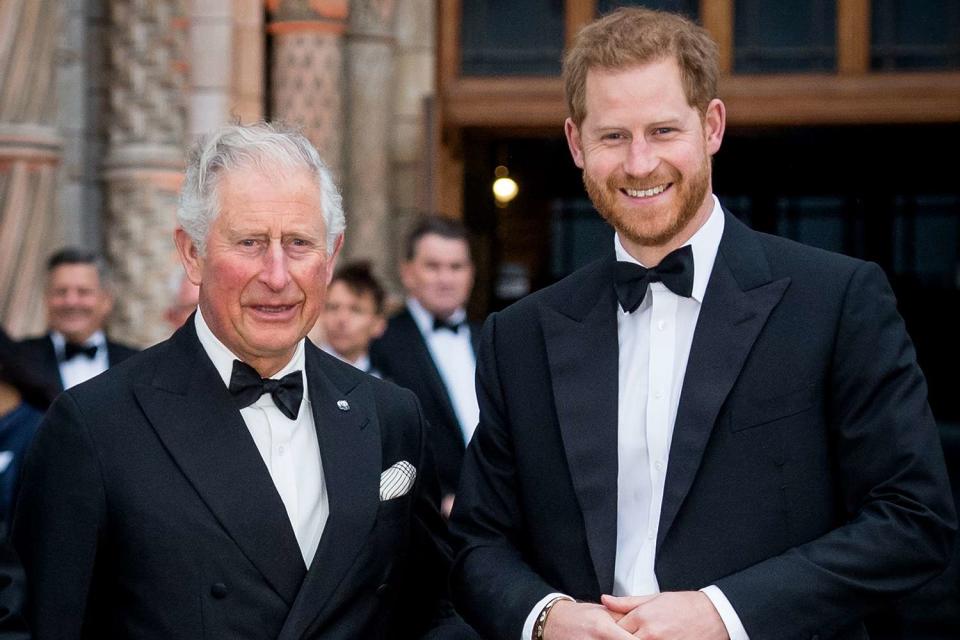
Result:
{"points": [[527, 633], [730, 618]]}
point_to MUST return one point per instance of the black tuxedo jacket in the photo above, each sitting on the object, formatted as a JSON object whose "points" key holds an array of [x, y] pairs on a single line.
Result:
{"points": [[38, 353], [805, 476], [402, 355], [146, 511]]}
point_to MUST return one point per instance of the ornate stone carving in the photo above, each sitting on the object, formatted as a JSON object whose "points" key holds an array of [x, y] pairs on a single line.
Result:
{"points": [[144, 161], [307, 71]]}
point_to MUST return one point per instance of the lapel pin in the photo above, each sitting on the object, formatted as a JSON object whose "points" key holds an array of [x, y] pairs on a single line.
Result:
{"points": [[343, 405]]}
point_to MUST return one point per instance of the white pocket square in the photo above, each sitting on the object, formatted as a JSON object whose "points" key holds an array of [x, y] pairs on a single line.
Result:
{"points": [[397, 480]]}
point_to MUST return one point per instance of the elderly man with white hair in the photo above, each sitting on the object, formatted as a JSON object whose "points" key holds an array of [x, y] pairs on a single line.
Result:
{"points": [[235, 481]]}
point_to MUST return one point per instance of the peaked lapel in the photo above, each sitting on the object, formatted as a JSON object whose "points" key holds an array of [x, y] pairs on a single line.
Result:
{"points": [[475, 333], [426, 366], [195, 417], [580, 332], [49, 363], [350, 452], [739, 298]]}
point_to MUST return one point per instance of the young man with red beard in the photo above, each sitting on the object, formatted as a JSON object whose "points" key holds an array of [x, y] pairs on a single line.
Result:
{"points": [[709, 432]]}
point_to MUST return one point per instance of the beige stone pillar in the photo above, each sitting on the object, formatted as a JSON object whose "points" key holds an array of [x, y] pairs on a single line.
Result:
{"points": [[226, 63], [143, 168], [307, 71], [415, 85], [369, 98], [30, 151]]}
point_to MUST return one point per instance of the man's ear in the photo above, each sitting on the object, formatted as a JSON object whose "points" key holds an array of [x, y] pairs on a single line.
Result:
{"points": [[378, 328], [105, 303], [189, 255], [406, 277], [332, 262], [714, 125], [574, 142]]}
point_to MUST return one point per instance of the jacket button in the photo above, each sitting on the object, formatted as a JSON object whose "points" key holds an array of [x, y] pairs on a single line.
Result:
{"points": [[219, 591], [383, 590]]}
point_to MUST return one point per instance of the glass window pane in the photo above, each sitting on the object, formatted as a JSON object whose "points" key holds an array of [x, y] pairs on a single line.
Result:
{"points": [[816, 221], [775, 36], [579, 236], [926, 238], [915, 34], [505, 37], [689, 8]]}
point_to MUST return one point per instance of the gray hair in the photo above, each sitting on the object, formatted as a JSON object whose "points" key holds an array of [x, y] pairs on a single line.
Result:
{"points": [[263, 145]]}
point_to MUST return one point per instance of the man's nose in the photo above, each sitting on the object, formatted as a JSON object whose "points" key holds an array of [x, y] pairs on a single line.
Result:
{"points": [[276, 272], [72, 299], [641, 158]]}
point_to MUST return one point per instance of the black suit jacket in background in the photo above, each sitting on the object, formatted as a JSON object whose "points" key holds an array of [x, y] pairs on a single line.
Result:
{"points": [[402, 355], [146, 511], [38, 354], [805, 477]]}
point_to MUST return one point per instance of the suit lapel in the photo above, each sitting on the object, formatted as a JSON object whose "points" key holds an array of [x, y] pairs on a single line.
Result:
{"points": [[50, 363], [739, 298], [580, 333], [475, 332], [350, 452], [195, 417], [426, 366]]}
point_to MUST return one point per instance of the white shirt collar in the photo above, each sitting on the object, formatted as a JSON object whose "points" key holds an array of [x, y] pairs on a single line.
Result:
{"points": [[705, 244], [424, 318], [223, 358]]}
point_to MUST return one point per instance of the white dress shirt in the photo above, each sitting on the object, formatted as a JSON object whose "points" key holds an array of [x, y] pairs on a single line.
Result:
{"points": [[362, 363], [80, 368], [288, 447], [654, 346], [456, 362]]}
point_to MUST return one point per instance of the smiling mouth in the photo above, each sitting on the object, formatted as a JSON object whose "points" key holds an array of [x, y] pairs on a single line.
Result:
{"points": [[273, 309], [646, 193]]}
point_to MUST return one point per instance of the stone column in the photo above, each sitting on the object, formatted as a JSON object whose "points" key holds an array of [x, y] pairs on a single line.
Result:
{"points": [[227, 63], [143, 168], [411, 126], [307, 71], [30, 151], [369, 97]]}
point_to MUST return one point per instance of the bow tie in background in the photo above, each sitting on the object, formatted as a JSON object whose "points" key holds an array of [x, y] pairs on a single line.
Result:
{"points": [[71, 350], [675, 271], [247, 386], [439, 324]]}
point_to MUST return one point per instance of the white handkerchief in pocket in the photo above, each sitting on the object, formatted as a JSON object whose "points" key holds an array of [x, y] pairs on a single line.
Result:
{"points": [[397, 480]]}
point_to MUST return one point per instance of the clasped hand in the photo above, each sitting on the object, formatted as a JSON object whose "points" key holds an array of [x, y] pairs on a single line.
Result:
{"points": [[675, 615]]}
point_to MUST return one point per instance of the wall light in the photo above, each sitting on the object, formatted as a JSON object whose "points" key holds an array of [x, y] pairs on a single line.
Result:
{"points": [[505, 188]]}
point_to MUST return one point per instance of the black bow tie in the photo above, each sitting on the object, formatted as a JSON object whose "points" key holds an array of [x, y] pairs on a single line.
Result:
{"points": [[439, 324], [71, 350], [247, 386], [675, 271]]}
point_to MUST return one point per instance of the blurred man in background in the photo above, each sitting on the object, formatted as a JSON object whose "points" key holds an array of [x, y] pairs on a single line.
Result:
{"points": [[186, 295], [78, 302], [353, 315], [430, 347]]}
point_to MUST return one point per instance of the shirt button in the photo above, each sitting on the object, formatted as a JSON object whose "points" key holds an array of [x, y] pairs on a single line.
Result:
{"points": [[658, 394], [650, 535], [659, 465], [280, 450], [661, 325]]}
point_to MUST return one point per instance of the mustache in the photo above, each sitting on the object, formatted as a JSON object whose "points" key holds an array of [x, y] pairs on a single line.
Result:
{"points": [[75, 310], [625, 182]]}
